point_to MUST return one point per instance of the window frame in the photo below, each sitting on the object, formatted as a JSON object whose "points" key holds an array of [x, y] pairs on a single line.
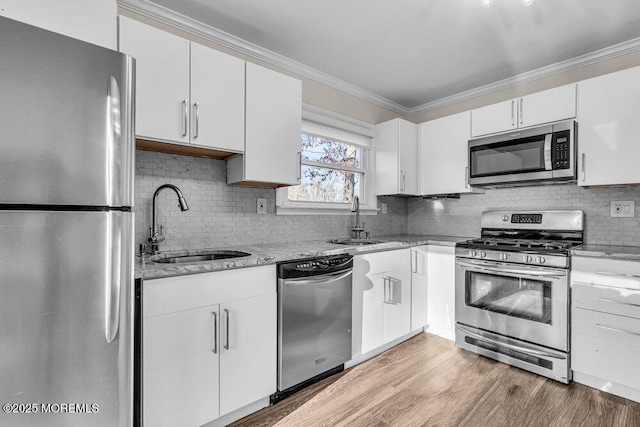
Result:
{"points": [[331, 121]]}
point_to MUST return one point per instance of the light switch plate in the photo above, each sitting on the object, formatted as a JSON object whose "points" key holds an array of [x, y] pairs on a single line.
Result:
{"points": [[383, 208], [624, 209], [261, 206]]}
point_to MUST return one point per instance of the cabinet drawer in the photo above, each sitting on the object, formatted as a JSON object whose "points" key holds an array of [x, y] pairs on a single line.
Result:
{"points": [[606, 346], [606, 272], [380, 262], [619, 301], [172, 294]]}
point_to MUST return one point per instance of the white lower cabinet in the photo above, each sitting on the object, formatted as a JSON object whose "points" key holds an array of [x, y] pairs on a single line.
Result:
{"points": [[441, 292], [382, 298], [209, 345], [605, 324]]}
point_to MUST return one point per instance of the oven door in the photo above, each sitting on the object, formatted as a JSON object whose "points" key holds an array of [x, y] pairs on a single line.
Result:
{"points": [[529, 303]]}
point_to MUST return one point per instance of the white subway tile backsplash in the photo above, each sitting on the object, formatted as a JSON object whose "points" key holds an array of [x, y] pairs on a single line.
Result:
{"points": [[462, 217], [222, 215]]}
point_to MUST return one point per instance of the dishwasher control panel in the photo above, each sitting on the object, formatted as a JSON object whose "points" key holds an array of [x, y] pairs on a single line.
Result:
{"points": [[315, 266]]}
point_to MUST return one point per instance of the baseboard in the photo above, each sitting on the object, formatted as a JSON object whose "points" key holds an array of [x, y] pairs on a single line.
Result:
{"points": [[373, 353], [607, 386]]}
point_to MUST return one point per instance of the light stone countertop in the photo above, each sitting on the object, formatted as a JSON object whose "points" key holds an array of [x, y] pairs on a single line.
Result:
{"points": [[629, 253], [272, 253]]}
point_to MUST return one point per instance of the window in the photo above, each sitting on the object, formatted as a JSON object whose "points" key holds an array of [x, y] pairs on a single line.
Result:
{"points": [[332, 171], [335, 159]]}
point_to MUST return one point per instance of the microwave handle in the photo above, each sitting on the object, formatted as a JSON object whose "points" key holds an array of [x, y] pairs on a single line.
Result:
{"points": [[547, 152]]}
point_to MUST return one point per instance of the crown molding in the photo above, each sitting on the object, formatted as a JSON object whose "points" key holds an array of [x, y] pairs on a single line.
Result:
{"points": [[197, 28], [585, 60]]}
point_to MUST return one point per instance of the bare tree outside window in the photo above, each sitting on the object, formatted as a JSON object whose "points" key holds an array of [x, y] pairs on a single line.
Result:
{"points": [[331, 171]]}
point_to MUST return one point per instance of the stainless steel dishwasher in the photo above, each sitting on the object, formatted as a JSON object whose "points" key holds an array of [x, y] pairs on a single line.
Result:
{"points": [[314, 320]]}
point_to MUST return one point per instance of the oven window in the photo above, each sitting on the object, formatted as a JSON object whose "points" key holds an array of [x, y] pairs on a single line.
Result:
{"points": [[513, 296], [526, 155]]}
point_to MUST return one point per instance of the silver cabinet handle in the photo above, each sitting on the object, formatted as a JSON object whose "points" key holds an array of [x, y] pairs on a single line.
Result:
{"points": [[386, 294], [630, 276], [197, 119], [299, 166], [622, 331], [185, 113], [466, 177], [215, 332], [415, 262], [513, 119], [520, 113], [391, 300], [403, 184], [226, 344], [583, 155], [618, 302]]}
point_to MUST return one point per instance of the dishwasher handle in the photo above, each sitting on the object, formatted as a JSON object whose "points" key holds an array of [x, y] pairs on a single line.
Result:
{"points": [[316, 280]]}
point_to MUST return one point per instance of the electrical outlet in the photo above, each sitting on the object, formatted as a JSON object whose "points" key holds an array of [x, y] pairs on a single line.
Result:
{"points": [[384, 208], [626, 209], [261, 206]]}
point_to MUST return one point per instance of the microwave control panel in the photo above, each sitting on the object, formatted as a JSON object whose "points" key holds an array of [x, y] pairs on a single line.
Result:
{"points": [[560, 150]]}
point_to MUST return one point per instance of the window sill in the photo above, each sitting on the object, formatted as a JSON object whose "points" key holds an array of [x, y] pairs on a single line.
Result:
{"points": [[315, 210]]}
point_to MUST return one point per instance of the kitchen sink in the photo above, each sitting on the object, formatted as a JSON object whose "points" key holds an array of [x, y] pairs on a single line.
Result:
{"points": [[354, 242], [209, 256]]}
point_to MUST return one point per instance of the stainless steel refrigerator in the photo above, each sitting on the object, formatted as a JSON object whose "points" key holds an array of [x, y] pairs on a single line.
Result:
{"points": [[66, 237]]}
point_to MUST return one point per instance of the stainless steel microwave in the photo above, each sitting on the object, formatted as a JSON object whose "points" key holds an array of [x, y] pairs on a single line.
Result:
{"points": [[538, 155]]}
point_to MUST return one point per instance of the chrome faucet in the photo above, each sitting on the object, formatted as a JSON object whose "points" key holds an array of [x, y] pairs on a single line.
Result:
{"points": [[358, 228], [155, 236]]}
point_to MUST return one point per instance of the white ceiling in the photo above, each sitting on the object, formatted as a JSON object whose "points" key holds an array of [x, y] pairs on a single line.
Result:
{"points": [[414, 52]]}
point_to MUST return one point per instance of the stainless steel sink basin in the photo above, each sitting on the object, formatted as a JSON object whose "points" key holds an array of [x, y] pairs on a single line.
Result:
{"points": [[354, 242], [209, 256]]}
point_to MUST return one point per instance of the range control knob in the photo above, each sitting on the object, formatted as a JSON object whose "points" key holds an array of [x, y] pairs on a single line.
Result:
{"points": [[473, 253], [541, 260], [505, 218], [483, 254], [528, 258], [503, 257]]}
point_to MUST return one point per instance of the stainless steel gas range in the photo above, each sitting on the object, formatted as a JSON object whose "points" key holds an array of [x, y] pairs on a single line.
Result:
{"points": [[512, 289]]}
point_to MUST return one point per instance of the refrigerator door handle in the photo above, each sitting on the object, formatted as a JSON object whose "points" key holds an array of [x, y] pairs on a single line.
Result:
{"points": [[118, 268], [114, 139]]}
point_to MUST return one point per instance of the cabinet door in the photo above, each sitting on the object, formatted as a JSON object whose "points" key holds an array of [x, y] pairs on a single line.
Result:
{"points": [[443, 155], [180, 367], [397, 307], [386, 144], [408, 157], [441, 300], [162, 81], [248, 356], [373, 325], [494, 118], [547, 106], [273, 127], [608, 149], [217, 99], [419, 290]]}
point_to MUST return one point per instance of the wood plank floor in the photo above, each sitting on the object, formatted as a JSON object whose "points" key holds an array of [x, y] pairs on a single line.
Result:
{"points": [[427, 381]]}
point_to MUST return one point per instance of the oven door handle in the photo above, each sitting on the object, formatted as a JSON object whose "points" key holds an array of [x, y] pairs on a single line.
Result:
{"points": [[503, 270], [323, 279], [514, 347]]}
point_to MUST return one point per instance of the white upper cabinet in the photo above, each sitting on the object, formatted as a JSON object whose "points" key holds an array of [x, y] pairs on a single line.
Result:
{"points": [[185, 92], [396, 144], [162, 81], [217, 99], [93, 21], [273, 127], [608, 147], [538, 108], [443, 155]]}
